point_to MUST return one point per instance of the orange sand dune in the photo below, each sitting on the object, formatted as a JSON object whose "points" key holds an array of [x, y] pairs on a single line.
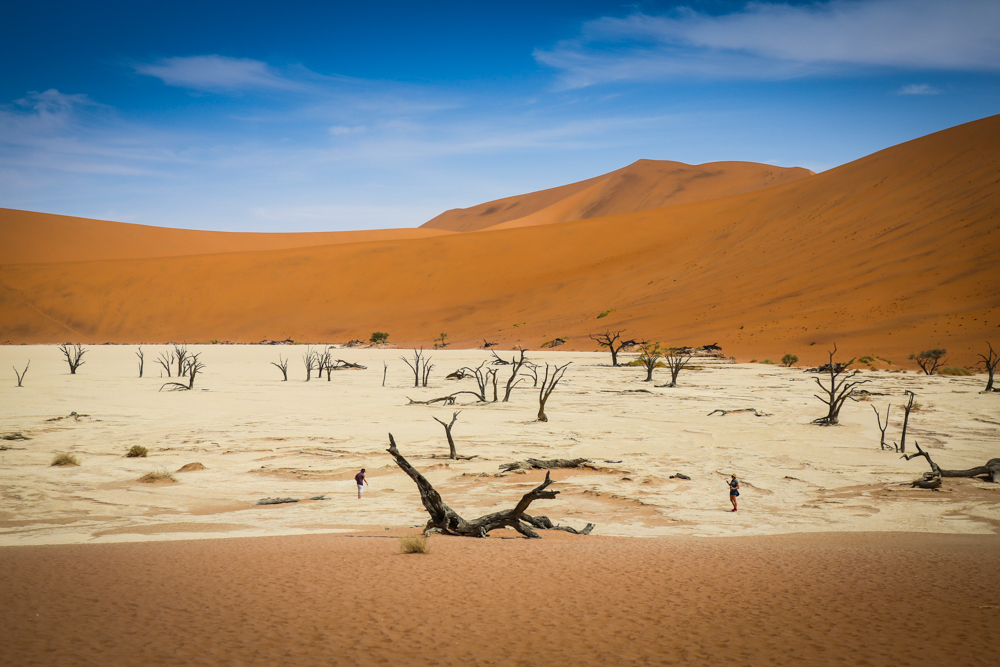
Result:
{"points": [[810, 599], [888, 255], [27, 237], [641, 186]]}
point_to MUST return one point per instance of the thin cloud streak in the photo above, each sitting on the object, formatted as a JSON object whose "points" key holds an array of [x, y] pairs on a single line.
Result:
{"points": [[918, 89], [774, 41]]}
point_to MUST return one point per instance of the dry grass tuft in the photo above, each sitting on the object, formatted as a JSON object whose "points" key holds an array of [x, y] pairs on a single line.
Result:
{"points": [[65, 459], [158, 475], [137, 451], [416, 544], [954, 370]]}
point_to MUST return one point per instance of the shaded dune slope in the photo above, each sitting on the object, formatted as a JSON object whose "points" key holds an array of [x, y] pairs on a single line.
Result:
{"points": [[887, 255], [27, 237], [641, 186]]}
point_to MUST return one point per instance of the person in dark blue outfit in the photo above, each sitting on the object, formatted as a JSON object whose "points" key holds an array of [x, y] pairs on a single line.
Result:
{"points": [[734, 491]]}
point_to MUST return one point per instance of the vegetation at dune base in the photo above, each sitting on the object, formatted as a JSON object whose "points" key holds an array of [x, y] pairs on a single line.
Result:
{"points": [[789, 360], [137, 451], [640, 362], [379, 337], [954, 370], [929, 360], [157, 476], [767, 361], [65, 459], [416, 544]]}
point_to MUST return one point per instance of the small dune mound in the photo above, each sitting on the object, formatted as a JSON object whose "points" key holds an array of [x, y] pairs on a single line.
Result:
{"points": [[64, 460], [158, 477], [191, 467], [137, 451]]}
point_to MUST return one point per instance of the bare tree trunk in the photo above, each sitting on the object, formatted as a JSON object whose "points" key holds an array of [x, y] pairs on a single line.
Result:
{"points": [[166, 359], [73, 355], [906, 420], [512, 382], [614, 343], [415, 366], [445, 520], [141, 360], [20, 376], [281, 365], [427, 371], [990, 362], [181, 353], [882, 442], [447, 431], [548, 386], [838, 391], [385, 371]]}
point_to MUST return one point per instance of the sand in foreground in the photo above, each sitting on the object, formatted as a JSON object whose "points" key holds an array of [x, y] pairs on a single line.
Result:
{"points": [[856, 599]]}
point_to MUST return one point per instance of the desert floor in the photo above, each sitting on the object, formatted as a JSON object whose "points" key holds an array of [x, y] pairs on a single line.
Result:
{"points": [[832, 558], [259, 437]]}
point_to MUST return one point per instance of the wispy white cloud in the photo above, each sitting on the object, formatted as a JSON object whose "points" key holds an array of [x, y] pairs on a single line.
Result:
{"points": [[215, 73], [918, 89], [774, 40], [342, 130]]}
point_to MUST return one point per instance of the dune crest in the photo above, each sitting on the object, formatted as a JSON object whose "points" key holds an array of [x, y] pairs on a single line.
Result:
{"points": [[642, 185]]}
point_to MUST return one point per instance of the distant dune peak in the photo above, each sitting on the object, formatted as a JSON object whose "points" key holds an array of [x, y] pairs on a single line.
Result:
{"points": [[641, 186]]}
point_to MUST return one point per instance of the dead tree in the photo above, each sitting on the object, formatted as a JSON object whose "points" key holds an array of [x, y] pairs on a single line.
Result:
{"points": [[20, 376], [141, 360], [447, 431], [74, 356], [385, 371], [416, 366], [755, 411], [323, 363], [613, 341], [191, 368], [648, 357], [547, 464], [533, 371], [281, 365], [932, 479], [426, 373], [676, 361], [513, 381], [548, 386], [444, 519], [166, 359], [309, 360], [487, 345], [882, 443], [181, 352], [989, 362], [446, 400], [839, 391], [482, 377], [494, 386], [906, 420], [498, 360]]}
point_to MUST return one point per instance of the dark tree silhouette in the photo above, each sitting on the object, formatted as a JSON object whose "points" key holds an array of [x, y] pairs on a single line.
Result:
{"points": [[516, 365], [649, 355], [20, 376], [453, 454], [74, 356], [615, 344], [191, 368], [838, 391], [549, 383], [989, 362], [676, 360], [166, 360], [930, 360], [281, 365]]}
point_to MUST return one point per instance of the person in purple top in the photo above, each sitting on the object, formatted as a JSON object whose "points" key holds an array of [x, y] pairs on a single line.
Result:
{"points": [[360, 479]]}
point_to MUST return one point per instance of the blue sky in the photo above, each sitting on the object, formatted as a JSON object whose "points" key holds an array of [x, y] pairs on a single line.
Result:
{"points": [[309, 116]]}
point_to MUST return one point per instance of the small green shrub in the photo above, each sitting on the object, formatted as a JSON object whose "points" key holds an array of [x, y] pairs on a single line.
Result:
{"points": [[520, 324], [415, 544], [767, 361], [954, 370], [789, 360], [137, 451], [65, 459], [379, 337], [605, 313], [638, 362]]}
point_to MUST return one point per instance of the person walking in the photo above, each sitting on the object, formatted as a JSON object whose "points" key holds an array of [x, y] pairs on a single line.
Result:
{"points": [[734, 491], [360, 479]]}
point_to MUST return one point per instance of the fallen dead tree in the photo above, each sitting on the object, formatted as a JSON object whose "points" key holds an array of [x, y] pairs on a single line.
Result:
{"points": [[932, 479], [755, 411], [445, 520], [446, 400], [547, 464]]}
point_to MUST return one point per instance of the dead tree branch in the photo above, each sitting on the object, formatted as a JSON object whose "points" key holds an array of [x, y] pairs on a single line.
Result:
{"points": [[613, 341], [418, 359], [444, 519], [548, 386], [514, 380], [547, 464], [141, 360], [839, 391], [447, 431], [309, 360], [20, 376], [281, 365], [755, 411], [882, 443], [74, 355], [650, 354], [906, 421], [989, 362], [166, 359], [181, 353], [447, 400], [932, 479], [191, 368]]}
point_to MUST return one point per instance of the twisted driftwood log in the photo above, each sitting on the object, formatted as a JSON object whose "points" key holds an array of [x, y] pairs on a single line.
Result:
{"points": [[932, 479], [545, 464], [447, 521]]}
